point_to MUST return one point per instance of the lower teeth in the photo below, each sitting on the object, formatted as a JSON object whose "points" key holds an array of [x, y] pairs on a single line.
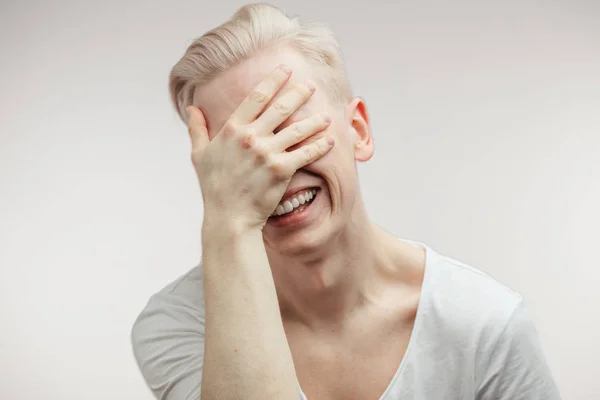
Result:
{"points": [[296, 210]]}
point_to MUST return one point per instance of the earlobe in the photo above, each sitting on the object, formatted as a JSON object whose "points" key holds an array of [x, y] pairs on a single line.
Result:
{"points": [[363, 141]]}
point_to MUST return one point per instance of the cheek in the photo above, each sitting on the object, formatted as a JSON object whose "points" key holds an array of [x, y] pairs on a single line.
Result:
{"points": [[337, 166], [343, 135], [341, 157], [344, 148]]}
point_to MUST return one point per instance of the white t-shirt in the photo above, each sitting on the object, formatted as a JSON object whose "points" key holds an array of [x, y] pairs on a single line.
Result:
{"points": [[472, 339]]}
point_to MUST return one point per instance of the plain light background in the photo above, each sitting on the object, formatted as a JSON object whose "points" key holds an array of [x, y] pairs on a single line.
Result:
{"points": [[486, 117]]}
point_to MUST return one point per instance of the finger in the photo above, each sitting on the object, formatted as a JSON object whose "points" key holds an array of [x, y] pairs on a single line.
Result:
{"points": [[283, 107], [309, 153], [261, 95], [197, 128], [299, 131]]}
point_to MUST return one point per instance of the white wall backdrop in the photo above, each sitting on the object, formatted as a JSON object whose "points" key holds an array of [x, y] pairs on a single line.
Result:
{"points": [[487, 124]]}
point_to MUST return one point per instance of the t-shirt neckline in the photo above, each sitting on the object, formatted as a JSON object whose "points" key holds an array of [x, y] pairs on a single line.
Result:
{"points": [[429, 260]]}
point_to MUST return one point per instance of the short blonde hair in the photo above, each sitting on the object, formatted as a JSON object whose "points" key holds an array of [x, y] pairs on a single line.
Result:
{"points": [[252, 29]]}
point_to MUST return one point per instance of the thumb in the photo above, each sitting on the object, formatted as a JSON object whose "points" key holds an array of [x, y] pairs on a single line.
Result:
{"points": [[197, 128]]}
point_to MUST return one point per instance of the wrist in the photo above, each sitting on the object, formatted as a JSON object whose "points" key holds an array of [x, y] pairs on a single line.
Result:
{"points": [[216, 228], [225, 242]]}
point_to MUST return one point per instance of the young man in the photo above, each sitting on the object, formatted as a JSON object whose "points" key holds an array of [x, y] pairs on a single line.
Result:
{"points": [[299, 295]]}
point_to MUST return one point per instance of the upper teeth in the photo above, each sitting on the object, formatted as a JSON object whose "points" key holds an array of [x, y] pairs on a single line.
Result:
{"points": [[295, 202]]}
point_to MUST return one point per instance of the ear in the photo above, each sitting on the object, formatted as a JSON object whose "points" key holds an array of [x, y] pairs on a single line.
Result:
{"points": [[361, 130]]}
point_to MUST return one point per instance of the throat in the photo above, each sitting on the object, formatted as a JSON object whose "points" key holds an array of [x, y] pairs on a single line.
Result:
{"points": [[322, 296], [326, 286]]}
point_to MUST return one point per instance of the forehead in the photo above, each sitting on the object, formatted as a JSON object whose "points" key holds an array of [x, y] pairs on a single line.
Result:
{"points": [[220, 97]]}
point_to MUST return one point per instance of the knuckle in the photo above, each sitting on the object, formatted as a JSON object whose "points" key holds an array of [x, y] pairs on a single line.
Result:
{"points": [[309, 153], [258, 96], [261, 154], [248, 138], [298, 131], [277, 168], [229, 129], [282, 108], [270, 80]]}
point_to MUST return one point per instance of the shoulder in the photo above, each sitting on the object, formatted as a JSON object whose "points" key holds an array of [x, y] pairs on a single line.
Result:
{"points": [[182, 297], [167, 337], [463, 310], [483, 325], [179, 303], [466, 294]]}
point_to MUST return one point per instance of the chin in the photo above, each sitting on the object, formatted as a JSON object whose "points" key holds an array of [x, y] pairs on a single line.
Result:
{"points": [[300, 243], [308, 230]]}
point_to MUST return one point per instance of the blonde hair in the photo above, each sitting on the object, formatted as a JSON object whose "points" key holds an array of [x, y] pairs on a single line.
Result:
{"points": [[252, 29]]}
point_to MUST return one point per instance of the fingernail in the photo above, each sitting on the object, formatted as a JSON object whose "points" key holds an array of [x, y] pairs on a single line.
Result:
{"points": [[285, 68], [310, 85], [327, 119], [330, 141]]}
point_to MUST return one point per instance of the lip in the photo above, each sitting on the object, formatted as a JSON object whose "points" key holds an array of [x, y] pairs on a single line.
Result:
{"points": [[298, 219]]}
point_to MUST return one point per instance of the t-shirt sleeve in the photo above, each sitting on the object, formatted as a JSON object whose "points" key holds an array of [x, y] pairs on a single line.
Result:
{"points": [[168, 344], [518, 369]]}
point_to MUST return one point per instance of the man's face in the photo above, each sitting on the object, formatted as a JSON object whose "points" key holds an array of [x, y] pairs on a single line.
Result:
{"points": [[334, 175]]}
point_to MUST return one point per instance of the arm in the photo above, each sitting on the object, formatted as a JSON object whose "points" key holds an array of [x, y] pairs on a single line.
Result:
{"points": [[171, 334], [518, 369], [243, 172], [235, 348], [246, 351]]}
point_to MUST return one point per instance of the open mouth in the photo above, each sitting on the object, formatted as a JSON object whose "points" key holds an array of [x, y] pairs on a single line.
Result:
{"points": [[296, 204]]}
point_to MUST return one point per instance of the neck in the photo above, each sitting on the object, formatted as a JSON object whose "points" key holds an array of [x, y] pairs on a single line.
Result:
{"points": [[326, 286]]}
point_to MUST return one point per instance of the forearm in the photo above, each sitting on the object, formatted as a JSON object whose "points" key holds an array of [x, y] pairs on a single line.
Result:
{"points": [[246, 354]]}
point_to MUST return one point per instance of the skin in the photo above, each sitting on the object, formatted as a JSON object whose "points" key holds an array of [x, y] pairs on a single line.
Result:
{"points": [[346, 292]]}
